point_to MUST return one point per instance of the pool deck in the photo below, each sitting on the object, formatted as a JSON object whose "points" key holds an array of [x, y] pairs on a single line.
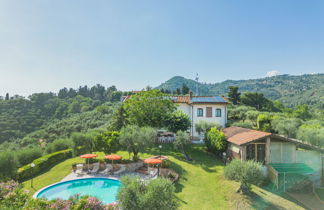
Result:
{"points": [[73, 176]]}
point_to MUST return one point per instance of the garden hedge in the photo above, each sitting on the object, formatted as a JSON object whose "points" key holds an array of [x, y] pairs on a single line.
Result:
{"points": [[42, 164]]}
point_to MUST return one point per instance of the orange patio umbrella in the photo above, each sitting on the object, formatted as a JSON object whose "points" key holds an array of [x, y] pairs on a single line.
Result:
{"points": [[87, 156], [113, 157], [154, 161]]}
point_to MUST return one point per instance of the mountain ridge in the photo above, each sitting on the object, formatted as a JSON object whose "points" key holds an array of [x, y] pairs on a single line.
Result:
{"points": [[291, 90]]}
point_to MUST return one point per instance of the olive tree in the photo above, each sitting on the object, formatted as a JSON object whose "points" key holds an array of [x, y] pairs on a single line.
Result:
{"points": [[203, 126], [181, 142], [286, 126], [245, 172], [136, 139]]}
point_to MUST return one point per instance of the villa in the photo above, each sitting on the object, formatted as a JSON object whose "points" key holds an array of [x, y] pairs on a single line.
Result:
{"points": [[202, 108]]}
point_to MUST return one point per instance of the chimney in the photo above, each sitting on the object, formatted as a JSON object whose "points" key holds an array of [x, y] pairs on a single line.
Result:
{"points": [[190, 94]]}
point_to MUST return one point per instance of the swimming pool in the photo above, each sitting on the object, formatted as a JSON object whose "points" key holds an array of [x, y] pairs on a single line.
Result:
{"points": [[102, 188]]}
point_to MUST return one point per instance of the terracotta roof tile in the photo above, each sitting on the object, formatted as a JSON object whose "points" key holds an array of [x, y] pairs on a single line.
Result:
{"points": [[239, 136], [181, 99]]}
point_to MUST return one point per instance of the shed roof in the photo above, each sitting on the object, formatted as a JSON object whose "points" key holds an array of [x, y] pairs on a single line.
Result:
{"points": [[297, 168], [239, 136]]}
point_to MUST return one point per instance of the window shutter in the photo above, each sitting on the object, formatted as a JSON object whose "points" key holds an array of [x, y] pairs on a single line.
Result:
{"points": [[209, 112]]}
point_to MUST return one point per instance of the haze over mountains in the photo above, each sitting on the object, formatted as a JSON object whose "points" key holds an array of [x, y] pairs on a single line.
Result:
{"points": [[289, 89]]}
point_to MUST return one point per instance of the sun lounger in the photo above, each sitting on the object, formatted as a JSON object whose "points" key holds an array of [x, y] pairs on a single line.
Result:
{"points": [[120, 171], [95, 168], [107, 170]]}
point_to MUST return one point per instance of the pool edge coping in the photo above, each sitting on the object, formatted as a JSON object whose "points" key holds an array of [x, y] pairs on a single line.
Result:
{"points": [[60, 182]]}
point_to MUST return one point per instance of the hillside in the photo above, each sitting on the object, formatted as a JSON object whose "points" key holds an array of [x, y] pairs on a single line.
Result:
{"points": [[291, 90]]}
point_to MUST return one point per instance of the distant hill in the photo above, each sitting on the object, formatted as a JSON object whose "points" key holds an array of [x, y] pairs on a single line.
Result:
{"points": [[289, 89]]}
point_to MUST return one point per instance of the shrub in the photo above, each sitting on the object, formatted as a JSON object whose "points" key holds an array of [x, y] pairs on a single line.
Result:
{"points": [[43, 163], [12, 196], [245, 172], [58, 145], [27, 155], [158, 194], [216, 140], [8, 165]]}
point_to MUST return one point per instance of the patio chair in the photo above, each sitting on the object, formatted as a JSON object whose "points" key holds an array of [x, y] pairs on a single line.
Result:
{"points": [[107, 170], [121, 170], [95, 168]]}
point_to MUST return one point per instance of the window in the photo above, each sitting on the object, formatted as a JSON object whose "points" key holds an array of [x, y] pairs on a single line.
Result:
{"points": [[255, 152], [218, 112], [200, 112]]}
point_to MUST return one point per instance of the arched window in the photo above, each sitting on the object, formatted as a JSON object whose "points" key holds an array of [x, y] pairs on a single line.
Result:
{"points": [[218, 112], [200, 112]]}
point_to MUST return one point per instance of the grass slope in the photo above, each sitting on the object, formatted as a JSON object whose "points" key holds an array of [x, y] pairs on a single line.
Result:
{"points": [[201, 185]]}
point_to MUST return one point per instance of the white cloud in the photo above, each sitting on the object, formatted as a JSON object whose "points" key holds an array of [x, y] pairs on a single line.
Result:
{"points": [[272, 73]]}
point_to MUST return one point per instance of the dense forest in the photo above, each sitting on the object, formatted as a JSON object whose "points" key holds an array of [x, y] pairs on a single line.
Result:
{"points": [[290, 90], [20, 116]]}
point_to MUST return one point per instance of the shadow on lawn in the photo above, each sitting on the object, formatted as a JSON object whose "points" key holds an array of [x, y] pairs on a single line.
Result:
{"points": [[197, 152], [204, 159], [257, 202], [270, 188]]}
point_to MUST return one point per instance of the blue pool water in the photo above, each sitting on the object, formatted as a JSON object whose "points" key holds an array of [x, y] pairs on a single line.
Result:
{"points": [[102, 188]]}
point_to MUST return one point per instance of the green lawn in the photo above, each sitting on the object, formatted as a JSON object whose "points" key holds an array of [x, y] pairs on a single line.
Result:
{"points": [[201, 185], [320, 193]]}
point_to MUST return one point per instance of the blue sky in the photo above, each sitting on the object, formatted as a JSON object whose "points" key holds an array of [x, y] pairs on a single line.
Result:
{"points": [[46, 45]]}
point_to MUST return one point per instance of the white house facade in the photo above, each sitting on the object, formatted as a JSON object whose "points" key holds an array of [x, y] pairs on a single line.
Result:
{"points": [[202, 108]]}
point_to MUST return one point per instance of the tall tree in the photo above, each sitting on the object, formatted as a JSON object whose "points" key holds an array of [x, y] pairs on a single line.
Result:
{"points": [[178, 121], [234, 95], [7, 96], [63, 93], [256, 100], [178, 91], [185, 89]]}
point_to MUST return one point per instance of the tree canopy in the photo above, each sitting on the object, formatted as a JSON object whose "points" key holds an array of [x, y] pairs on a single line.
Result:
{"points": [[178, 121], [149, 108]]}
